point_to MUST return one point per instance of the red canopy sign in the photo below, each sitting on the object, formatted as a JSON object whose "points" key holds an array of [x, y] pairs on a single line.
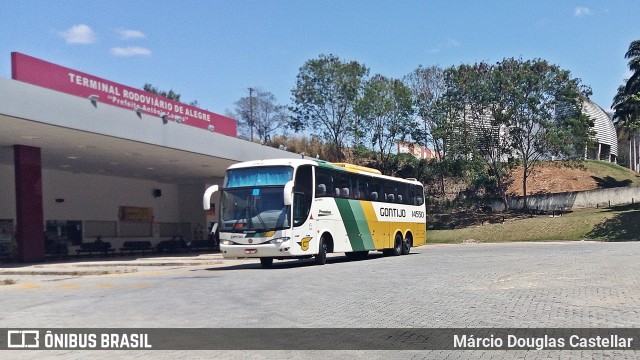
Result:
{"points": [[51, 76]]}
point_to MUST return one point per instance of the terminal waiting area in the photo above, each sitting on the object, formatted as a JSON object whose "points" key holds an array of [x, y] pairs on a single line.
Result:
{"points": [[65, 239], [176, 244]]}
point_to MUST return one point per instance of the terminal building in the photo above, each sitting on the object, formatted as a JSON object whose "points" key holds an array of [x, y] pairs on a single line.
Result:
{"points": [[82, 157]]}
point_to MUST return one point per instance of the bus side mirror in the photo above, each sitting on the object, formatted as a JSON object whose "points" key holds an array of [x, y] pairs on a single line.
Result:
{"points": [[206, 199], [214, 228], [288, 193]]}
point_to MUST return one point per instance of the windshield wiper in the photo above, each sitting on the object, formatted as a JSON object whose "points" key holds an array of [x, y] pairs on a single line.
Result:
{"points": [[264, 226]]}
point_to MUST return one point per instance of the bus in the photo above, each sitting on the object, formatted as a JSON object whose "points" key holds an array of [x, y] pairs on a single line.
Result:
{"points": [[303, 208]]}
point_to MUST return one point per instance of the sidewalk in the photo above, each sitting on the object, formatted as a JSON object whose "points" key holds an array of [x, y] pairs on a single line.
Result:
{"points": [[73, 266]]}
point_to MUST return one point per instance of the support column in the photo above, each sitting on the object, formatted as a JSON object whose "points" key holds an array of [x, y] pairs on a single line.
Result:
{"points": [[29, 207]]}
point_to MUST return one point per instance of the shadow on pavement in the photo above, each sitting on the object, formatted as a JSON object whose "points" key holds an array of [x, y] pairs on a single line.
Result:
{"points": [[297, 263]]}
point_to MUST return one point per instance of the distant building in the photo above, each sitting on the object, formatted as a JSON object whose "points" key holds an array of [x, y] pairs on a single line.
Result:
{"points": [[606, 139], [606, 147], [419, 152]]}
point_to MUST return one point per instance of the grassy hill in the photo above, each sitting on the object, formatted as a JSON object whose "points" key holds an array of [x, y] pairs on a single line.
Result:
{"points": [[553, 177], [619, 223]]}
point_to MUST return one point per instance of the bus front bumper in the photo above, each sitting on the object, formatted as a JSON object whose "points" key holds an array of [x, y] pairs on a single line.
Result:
{"points": [[256, 251]]}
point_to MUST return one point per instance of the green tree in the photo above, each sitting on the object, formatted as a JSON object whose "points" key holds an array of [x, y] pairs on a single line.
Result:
{"points": [[169, 95], [386, 112], [543, 103], [479, 91], [633, 54], [626, 103], [435, 128], [325, 96], [626, 109]]}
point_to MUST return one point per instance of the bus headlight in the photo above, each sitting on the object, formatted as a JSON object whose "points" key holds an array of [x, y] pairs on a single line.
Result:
{"points": [[226, 242], [278, 241]]}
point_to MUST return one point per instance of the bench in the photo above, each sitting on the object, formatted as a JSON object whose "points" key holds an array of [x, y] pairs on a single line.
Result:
{"points": [[100, 247], [5, 250], [131, 246], [173, 245], [200, 245]]}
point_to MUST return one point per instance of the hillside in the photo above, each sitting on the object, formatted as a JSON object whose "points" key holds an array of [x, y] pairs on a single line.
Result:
{"points": [[553, 177]]}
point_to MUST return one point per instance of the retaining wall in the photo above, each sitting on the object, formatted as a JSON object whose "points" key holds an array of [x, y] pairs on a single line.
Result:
{"points": [[573, 200]]}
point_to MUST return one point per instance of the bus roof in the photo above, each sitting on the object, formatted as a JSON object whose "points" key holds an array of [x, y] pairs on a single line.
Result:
{"points": [[316, 162]]}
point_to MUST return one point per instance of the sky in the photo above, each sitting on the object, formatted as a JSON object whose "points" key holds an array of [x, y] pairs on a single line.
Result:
{"points": [[213, 51]]}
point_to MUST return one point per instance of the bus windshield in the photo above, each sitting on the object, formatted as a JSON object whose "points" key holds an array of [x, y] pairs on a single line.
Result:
{"points": [[258, 176], [252, 199]]}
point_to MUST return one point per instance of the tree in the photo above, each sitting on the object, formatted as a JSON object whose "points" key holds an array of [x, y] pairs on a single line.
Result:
{"points": [[633, 54], [386, 110], [435, 127], [479, 92], [626, 103], [169, 95], [543, 103], [260, 112], [325, 95], [626, 109]]}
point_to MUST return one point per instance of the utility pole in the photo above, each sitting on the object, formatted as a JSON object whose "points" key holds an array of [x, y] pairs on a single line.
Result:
{"points": [[251, 112]]}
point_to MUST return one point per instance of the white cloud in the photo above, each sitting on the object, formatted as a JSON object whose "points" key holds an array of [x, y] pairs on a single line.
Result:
{"points": [[130, 51], [78, 34], [581, 11], [453, 42], [126, 34]]}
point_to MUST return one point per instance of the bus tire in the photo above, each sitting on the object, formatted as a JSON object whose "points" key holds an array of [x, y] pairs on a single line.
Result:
{"points": [[397, 245], [406, 246], [266, 263], [321, 256]]}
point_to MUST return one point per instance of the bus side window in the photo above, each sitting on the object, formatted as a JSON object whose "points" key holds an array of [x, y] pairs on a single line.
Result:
{"points": [[403, 190], [389, 191], [324, 181], [360, 188], [419, 192]]}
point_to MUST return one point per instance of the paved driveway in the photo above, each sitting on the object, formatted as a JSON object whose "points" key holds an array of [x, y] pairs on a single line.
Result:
{"points": [[577, 284]]}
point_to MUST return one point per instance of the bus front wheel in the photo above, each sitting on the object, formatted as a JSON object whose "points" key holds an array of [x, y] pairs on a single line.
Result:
{"points": [[321, 256], [266, 262]]}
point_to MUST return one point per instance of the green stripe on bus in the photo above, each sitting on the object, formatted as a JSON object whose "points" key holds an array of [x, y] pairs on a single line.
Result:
{"points": [[356, 224], [363, 225]]}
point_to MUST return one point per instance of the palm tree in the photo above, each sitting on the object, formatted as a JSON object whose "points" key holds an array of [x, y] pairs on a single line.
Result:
{"points": [[626, 102], [633, 84], [625, 121]]}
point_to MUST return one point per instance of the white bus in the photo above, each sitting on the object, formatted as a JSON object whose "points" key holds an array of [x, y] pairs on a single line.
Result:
{"points": [[299, 208]]}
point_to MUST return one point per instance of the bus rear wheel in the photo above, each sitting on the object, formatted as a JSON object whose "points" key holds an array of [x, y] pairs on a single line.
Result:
{"points": [[397, 245], [406, 246], [266, 262]]}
